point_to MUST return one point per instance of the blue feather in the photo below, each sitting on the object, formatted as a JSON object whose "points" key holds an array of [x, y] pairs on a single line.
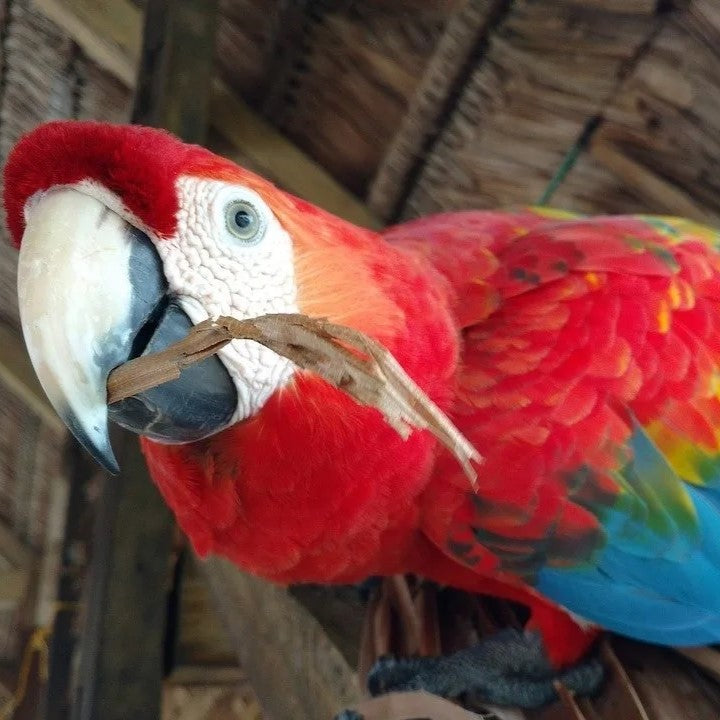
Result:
{"points": [[667, 600]]}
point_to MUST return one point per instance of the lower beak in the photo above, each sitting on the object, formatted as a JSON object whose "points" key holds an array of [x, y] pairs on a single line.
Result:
{"points": [[92, 295]]}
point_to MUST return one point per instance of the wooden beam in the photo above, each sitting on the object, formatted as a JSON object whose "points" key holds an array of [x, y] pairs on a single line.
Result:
{"points": [[56, 701], [292, 665], [18, 377], [109, 33], [176, 67], [122, 646]]}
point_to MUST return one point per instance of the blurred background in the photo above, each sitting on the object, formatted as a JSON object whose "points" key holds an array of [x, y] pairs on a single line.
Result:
{"points": [[378, 110]]}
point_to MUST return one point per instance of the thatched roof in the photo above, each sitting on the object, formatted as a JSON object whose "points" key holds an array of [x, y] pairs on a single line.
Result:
{"points": [[635, 87]]}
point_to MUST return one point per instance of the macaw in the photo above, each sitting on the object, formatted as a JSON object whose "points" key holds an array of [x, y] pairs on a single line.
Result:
{"points": [[580, 356]]}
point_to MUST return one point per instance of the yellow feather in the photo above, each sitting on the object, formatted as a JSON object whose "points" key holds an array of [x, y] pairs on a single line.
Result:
{"points": [[663, 317]]}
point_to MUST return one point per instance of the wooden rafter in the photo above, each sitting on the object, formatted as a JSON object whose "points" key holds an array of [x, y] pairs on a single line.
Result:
{"points": [[109, 31], [122, 644]]}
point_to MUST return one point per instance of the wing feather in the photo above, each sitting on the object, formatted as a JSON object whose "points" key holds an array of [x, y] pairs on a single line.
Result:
{"points": [[590, 382]]}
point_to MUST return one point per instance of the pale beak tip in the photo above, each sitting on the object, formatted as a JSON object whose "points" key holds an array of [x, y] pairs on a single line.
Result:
{"points": [[98, 446]]}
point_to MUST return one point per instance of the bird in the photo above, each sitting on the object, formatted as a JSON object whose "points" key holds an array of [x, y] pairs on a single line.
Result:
{"points": [[580, 355]]}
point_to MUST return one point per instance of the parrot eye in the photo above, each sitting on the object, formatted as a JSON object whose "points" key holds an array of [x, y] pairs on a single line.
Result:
{"points": [[244, 222]]}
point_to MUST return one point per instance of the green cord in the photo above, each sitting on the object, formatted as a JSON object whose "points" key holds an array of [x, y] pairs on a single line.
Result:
{"points": [[570, 159]]}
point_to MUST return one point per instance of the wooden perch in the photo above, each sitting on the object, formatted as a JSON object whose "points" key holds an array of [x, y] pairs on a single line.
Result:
{"points": [[412, 706], [344, 357]]}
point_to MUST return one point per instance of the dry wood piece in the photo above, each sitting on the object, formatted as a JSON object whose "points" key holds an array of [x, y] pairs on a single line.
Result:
{"points": [[342, 356], [412, 706], [208, 693]]}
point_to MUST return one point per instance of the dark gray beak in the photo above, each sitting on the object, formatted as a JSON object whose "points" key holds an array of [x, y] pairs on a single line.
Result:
{"points": [[92, 296]]}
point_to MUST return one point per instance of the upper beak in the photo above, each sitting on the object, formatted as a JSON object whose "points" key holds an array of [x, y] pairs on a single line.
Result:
{"points": [[93, 295]]}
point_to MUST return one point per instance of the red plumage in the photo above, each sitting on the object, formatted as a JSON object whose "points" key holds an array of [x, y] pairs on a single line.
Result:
{"points": [[544, 339], [317, 488]]}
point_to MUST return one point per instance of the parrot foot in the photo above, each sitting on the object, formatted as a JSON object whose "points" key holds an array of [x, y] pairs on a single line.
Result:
{"points": [[348, 715], [507, 668]]}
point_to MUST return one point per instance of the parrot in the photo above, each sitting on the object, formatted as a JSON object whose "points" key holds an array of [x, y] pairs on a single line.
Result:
{"points": [[580, 355]]}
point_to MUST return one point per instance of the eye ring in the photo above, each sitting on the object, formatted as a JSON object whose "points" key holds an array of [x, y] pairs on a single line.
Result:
{"points": [[244, 222]]}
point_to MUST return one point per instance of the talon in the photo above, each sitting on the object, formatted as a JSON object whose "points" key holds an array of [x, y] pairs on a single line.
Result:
{"points": [[585, 677], [508, 668], [391, 673], [349, 715]]}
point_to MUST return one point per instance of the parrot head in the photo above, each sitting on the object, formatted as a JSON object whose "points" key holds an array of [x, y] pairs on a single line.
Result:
{"points": [[128, 237]]}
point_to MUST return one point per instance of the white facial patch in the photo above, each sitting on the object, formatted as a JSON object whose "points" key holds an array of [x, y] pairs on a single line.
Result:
{"points": [[214, 271]]}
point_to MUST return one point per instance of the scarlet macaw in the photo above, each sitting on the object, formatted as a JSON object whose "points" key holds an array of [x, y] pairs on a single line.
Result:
{"points": [[581, 357]]}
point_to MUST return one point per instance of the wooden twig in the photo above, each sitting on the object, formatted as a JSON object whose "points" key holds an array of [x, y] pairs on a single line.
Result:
{"points": [[427, 609], [344, 357], [367, 648], [410, 623], [382, 624], [619, 695]]}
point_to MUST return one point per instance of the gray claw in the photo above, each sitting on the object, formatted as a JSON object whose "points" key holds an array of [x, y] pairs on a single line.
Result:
{"points": [[508, 668], [348, 715]]}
